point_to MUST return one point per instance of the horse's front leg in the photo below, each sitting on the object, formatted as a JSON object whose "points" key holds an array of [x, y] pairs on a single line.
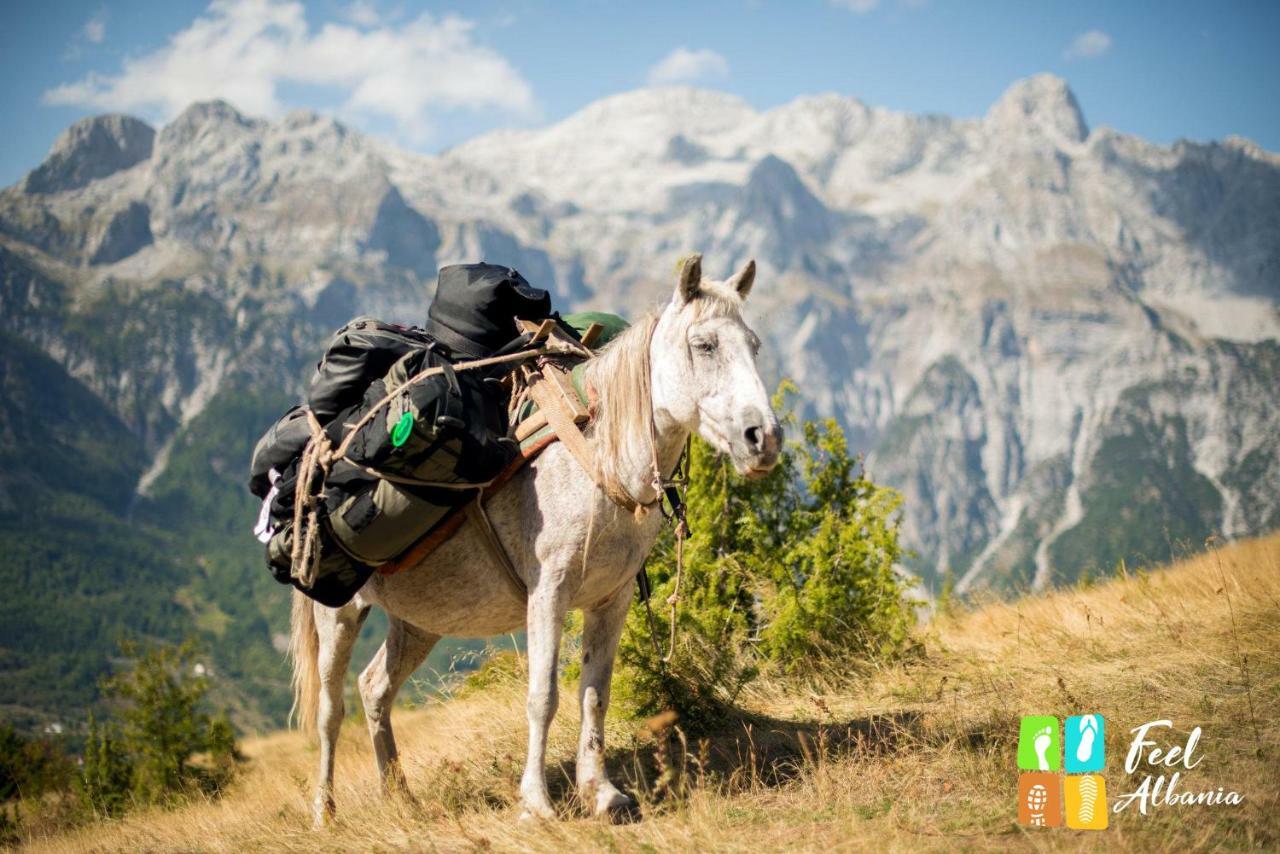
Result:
{"points": [[602, 627], [547, 605]]}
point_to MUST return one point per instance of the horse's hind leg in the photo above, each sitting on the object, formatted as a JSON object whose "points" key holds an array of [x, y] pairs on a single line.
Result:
{"points": [[397, 658], [601, 629], [337, 629]]}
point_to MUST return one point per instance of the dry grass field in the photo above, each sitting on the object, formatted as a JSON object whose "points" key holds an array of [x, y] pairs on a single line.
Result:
{"points": [[919, 755]]}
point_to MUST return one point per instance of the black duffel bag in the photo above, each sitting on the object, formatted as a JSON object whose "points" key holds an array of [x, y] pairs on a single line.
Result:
{"points": [[357, 355], [476, 305]]}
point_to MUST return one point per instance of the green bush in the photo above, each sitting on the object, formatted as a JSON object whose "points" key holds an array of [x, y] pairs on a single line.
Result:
{"points": [[784, 573], [835, 588], [31, 767], [165, 745], [106, 778]]}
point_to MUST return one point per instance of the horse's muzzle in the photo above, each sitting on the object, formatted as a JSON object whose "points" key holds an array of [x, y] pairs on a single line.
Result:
{"points": [[760, 446]]}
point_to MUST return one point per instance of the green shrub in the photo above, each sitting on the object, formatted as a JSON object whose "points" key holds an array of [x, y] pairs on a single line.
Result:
{"points": [[106, 778], [835, 587], [30, 767], [165, 745], [783, 573]]}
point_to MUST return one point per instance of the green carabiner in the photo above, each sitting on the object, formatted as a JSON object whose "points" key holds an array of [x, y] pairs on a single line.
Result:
{"points": [[400, 432]]}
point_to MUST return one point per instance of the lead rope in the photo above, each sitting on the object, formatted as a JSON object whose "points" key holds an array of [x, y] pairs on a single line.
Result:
{"points": [[304, 557], [675, 490], [679, 510]]}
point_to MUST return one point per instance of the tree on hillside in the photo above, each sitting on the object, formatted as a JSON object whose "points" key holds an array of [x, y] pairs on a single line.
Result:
{"points": [[784, 572], [152, 755]]}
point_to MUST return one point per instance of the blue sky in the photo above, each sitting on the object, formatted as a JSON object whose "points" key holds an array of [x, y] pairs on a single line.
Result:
{"points": [[431, 75]]}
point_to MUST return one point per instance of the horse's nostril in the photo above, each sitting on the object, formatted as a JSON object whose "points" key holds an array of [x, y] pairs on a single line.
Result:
{"points": [[754, 437]]}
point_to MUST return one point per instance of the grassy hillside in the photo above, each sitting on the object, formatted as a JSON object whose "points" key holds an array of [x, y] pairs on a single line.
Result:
{"points": [[917, 755]]}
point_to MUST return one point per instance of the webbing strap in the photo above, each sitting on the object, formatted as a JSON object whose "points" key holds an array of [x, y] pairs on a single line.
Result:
{"points": [[475, 512]]}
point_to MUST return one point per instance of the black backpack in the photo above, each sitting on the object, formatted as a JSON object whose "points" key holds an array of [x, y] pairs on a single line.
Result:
{"points": [[449, 428], [357, 355], [278, 448], [423, 454]]}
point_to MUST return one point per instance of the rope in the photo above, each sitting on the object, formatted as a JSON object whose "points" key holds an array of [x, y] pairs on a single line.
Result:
{"points": [[304, 556], [679, 512], [419, 377], [319, 456]]}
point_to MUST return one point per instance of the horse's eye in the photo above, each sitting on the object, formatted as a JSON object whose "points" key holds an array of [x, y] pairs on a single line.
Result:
{"points": [[704, 346]]}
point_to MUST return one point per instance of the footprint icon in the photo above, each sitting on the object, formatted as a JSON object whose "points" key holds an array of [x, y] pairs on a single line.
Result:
{"points": [[1086, 799], [1088, 732], [1041, 743]]}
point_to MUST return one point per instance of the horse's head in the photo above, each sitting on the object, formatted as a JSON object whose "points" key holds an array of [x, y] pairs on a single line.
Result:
{"points": [[704, 369]]}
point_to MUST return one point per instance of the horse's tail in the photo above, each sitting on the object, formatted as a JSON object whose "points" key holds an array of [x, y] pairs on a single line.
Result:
{"points": [[304, 649]]}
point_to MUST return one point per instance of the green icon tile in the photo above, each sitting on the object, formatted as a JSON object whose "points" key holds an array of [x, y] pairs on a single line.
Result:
{"points": [[1039, 744]]}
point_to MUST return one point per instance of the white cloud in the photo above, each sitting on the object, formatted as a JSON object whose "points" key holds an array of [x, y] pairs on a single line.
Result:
{"points": [[862, 7], [363, 13], [242, 50], [1087, 45], [95, 29], [687, 66]]}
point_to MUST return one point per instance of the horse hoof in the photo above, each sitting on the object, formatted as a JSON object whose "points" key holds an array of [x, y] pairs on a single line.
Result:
{"points": [[324, 815], [537, 812], [616, 806]]}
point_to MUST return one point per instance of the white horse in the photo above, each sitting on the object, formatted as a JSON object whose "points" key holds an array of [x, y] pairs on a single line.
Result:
{"points": [[689, 368]]}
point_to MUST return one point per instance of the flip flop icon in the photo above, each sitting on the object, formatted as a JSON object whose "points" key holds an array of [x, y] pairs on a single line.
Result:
{"points": [[1088, 732]]}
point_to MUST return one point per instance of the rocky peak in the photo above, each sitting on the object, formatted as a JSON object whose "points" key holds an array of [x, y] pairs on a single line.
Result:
{"points": [[776, 198], [206, 117], [1039, 106], [90, 149], [310, 124]]}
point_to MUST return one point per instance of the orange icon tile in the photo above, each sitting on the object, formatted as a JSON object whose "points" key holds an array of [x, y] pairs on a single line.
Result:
{"points": [[1039, 799]]}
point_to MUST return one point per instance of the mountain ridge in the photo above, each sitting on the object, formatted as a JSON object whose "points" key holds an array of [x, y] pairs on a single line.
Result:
{"points": [[1002, 310]]}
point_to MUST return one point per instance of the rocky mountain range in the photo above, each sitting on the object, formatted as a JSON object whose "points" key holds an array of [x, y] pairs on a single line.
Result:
{"points": [[1061, 344]]}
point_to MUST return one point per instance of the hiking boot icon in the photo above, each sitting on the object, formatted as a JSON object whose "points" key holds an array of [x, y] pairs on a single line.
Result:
{"points": [[1085, 799], [1040, 799]]}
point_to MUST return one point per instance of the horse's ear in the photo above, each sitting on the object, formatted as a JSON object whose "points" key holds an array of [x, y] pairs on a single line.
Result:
{"points": [[690, 277], [744, 279]]}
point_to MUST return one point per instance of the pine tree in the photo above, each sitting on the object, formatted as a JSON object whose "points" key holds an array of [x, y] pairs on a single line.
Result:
{"points": [[164, 725], [107, 775]]}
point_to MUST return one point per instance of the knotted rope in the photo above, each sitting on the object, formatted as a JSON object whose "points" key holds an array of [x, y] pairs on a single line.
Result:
{"points": [[305, 557], [319, 456]]}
